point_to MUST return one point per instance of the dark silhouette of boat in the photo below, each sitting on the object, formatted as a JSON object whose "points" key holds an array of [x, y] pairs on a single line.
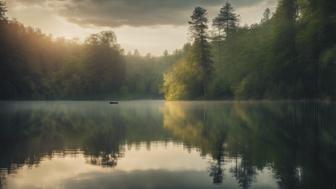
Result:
{"points": [[114, 102]]}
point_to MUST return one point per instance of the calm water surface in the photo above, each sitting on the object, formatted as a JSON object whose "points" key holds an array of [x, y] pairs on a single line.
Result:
{"points": [[167, 145]]}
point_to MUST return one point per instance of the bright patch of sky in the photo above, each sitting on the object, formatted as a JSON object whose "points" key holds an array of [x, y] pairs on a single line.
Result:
{"points": [[151, 26]]}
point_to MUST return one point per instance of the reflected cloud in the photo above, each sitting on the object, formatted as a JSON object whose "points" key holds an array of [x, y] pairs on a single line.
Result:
{"points": [[166, 144]]}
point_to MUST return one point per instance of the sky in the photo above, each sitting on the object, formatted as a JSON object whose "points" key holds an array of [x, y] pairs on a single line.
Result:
{"points": [[151, 26]]}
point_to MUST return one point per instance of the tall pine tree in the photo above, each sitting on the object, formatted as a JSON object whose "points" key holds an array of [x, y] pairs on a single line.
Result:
{"points": [[201, 47], [226, 21]]}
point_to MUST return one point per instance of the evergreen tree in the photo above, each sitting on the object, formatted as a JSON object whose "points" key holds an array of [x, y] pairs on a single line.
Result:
{"points": [[199, 24], [226, 21], [201, 47]]}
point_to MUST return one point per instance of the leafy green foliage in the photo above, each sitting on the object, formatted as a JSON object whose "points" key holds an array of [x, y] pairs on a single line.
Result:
{"points": [[182, 81], [289, 55], [46, 68], [144, 75], [189, 78]]}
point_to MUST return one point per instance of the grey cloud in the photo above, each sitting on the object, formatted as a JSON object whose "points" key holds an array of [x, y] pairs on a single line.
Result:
{"points": [[115, 13]]}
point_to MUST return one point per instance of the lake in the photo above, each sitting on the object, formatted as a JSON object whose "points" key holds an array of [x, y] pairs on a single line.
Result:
{"points": [[167, 145]]}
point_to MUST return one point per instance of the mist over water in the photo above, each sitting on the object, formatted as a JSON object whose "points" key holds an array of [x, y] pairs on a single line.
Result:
{"points": [[157, 144]]}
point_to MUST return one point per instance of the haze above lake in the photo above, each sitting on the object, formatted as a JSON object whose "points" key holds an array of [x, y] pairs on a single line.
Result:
{"points": [[157, 144]]}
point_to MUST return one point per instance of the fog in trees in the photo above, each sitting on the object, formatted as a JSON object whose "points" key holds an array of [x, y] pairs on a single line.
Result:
{"points": [[290, 54]]}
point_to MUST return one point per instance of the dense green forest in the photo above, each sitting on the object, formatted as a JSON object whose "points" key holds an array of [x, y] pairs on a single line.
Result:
{"points": [[290, 54], [38, 66]]}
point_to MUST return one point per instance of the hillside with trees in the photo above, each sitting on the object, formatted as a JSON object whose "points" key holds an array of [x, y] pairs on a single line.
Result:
{"points": [[38, 66], [290, 54]]}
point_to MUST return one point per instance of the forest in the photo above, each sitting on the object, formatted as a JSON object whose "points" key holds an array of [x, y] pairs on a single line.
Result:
{"points": [[289, 54], [38, 66]]}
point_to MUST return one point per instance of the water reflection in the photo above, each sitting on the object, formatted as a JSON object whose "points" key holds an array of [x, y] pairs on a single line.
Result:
{"points": [[146, 144]]}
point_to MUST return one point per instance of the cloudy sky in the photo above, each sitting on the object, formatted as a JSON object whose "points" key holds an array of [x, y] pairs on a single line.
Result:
{"points": [[151, 26]]}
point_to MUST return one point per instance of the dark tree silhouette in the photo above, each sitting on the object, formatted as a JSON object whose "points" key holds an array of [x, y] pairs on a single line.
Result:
{"points": [[226, 21], [201, 46]]}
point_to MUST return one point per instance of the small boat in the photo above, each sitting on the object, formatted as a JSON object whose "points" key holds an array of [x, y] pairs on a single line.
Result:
{"points": [[114, 102]]}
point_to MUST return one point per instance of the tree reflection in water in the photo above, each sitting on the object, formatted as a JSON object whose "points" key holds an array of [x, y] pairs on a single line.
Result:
{"points": [[295, 140]]}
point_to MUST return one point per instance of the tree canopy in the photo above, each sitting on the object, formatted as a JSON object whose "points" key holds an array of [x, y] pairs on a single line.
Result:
{"points": [[290, 54], [226, 21]]}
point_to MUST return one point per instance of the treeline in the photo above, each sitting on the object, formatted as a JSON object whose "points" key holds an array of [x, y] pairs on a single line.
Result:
{"points": [[34, 65], [144, 74], [290, 54]]}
